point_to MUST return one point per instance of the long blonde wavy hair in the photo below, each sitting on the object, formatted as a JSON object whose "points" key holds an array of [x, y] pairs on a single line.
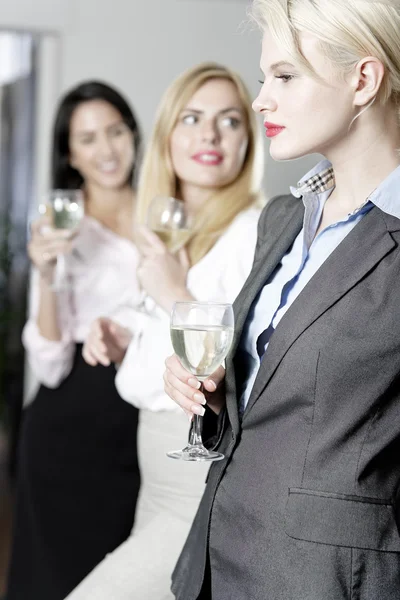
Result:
{"points": [[159, 179]]}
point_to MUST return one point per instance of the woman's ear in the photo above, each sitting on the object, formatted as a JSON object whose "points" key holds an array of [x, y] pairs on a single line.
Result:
{"points": [[367, 79]]}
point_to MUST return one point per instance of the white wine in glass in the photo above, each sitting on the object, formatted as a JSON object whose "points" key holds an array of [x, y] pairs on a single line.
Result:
{"points": [[174, 239], [201, 334], [167, 217]]}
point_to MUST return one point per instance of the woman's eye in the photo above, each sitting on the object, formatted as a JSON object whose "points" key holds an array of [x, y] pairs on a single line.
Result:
{"points": [[284, 78], [189, 119], [118, 130], [86, 141], [261, 82], [232, 122]]}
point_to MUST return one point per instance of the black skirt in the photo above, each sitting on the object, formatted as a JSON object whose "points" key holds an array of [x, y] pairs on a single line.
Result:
{"points": [[77, 483]]}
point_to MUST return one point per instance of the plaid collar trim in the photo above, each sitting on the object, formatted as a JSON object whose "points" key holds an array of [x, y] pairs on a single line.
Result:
{"points": [[318, 183]]}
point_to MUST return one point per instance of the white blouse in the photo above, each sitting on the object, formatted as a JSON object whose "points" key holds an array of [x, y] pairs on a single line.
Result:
{"points": [[101, 278], [219, 277]]}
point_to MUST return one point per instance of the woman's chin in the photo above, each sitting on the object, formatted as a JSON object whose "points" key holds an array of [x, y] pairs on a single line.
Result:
{"points": [[112, 181], [283, 152]]}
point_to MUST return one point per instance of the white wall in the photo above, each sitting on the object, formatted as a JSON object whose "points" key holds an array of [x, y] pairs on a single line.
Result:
{"points": [[35, 15], [140, 46]]}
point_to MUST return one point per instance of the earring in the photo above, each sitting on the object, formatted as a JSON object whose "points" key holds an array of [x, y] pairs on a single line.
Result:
{"points": [[363, 110]]}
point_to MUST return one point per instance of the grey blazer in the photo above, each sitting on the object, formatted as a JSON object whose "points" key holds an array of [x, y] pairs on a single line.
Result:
{"points": [[304, 505]]}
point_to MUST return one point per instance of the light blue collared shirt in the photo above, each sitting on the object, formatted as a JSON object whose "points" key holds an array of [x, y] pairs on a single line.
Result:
{"points": [[302, 261]]}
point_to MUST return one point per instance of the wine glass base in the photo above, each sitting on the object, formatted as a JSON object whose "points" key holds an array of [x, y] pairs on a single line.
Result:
{"points": [[196, 454]]}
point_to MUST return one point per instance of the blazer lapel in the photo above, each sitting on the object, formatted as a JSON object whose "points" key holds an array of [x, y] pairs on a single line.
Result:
{"points": [[275, 246], [357, 254]]}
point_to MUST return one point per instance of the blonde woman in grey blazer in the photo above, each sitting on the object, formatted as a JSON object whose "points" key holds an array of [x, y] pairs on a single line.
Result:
{"points": [[306, 504]]}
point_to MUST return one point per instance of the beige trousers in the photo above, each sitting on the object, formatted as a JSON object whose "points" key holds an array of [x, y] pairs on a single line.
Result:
{"points": [[169, 496]]}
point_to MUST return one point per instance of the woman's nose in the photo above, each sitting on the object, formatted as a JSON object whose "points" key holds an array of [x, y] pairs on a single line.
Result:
{"points": [[105, 147], [263, 102], [210, 132]]}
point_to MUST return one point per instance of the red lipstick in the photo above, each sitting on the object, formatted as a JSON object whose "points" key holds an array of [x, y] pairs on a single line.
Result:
{"points": [[271, 129]]}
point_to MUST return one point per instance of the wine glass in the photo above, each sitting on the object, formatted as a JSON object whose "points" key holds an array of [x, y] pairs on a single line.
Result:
{"points": [[201, 334], [66, 210], [168, 218]]}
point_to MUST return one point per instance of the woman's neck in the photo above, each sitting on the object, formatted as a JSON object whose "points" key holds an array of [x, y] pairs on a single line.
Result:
{"points": [[193, 196], [112, 208], [370, 155]]}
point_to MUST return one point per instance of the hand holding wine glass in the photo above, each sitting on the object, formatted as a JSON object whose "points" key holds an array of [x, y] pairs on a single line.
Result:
{"points": [[168, 220], [201, 334], [63, 211], [184, 389], [46, 244], [162, 275]]}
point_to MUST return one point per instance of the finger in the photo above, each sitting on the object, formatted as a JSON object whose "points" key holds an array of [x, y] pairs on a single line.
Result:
{"points": [[95, 342], [192, 407], [183, 258], [95, 345], [212, 382], [71, 233], [100, 355], [98, 327], [37, 225], [152, 241], [53, 246], [88, 356], [174, 365], [191, 393], [100, 347], [41, 262], [39, 254], [169, 391], [142, 242], [50, 233]]}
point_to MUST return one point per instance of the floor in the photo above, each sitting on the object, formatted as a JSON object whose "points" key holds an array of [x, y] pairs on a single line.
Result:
{"points": [[5, 510]]}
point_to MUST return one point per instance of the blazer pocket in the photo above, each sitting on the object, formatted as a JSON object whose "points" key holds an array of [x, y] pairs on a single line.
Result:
{"points": [[341, 520]]}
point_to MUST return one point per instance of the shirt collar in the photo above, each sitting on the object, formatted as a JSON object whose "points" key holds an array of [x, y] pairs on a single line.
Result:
{"points": [[322, 178]]}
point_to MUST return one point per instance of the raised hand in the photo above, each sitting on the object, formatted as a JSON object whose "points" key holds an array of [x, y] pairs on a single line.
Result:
{"points": [[106, 343]]}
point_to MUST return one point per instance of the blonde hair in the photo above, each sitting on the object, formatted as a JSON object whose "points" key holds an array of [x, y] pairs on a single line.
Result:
{"points": [[158, 177], [348, 30]]}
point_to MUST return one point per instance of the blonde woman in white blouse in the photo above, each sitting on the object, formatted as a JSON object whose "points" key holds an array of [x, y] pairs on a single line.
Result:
{"points": [[78, 476], [204, 150]]}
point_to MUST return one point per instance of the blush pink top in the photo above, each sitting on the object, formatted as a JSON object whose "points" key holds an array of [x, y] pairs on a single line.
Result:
{"points": [[101, 279]]}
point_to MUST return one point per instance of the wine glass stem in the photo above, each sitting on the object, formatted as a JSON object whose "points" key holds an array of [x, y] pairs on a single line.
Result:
{"points": [[197, 426], [195, 434]]}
